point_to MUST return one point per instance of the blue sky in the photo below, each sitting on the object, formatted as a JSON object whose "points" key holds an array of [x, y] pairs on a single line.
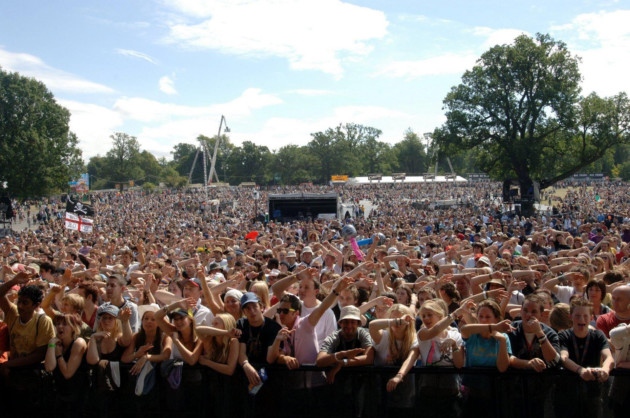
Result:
{"points": [[278, 70]]}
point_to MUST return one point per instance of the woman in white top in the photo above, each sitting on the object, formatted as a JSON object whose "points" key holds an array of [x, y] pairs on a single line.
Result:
{"points": [[440, 346], [395, 343]]}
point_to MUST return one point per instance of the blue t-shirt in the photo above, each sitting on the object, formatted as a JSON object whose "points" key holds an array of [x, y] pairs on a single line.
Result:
{"points": [[482, 352]]}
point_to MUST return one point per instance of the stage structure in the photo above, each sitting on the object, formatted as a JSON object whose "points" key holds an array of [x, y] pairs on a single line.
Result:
{"points": [[203, 150], [302, 206]]}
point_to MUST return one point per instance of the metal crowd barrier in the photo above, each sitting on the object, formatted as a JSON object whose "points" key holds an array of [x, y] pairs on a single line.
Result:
{"points": [[357, 392]]}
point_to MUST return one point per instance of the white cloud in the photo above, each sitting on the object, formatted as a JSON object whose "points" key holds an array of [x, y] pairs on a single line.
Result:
{"points": [[442, 64], [135, 54], [167, 85], [54, 79], [278, 131], [311, 92], [162, 125], [451, 62], [312, 35], [603, 41], [93, 125], [495, 37], [146, 111]]}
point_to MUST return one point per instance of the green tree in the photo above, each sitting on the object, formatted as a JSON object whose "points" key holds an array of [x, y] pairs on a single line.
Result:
{"points": [[338, 150], [411, 155], [172, 178], [519, 110], [38, 153], [250, 162], [150, 166], [122, 160], [294, 164], [377, 156]]}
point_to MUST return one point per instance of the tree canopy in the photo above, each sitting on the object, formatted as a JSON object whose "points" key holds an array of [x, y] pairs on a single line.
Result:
{"points": [[520, 112], [39, 154]]}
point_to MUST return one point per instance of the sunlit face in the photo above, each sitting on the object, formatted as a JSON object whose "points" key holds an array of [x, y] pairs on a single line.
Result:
{"points": [[181, 322], [429, 317], [423, 297], [218, 323], [113, 289], [462, 286], [191, 291], [594, 294], [148, 320], [232, 306], [107, 322], [252, 311], [581, 317], [307, 257], [66, 307], [346, 298], [63, 329], [578, 279], [530, 310], [403, 296], [307, 290], [620, 300], [349, 328], [287, 314], [486, 316]]}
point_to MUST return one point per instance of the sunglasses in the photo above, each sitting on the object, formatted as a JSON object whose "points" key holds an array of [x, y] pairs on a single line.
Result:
{"points": [[285, 310]]}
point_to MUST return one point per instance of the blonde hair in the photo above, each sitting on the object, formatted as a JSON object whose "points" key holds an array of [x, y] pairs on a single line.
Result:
{"points": [[77, 302], [437, 306], [220, 346], [262, 291], [397, 353]]}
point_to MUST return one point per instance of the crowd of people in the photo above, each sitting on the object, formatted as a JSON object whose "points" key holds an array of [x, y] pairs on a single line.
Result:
{"points": [[180, 301]]}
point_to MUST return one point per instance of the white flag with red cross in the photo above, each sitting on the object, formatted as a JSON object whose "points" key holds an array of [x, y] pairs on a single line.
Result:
{"points": [[75, 222]]}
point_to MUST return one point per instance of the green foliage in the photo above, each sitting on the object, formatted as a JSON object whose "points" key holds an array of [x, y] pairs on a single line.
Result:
{"points": [[519, 114], [148, 186], [349, 149], [410, 154], [249, 162], [624, 171], [38, 153]]}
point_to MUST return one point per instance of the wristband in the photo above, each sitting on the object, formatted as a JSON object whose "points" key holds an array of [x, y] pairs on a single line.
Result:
{"points": [[244, 363], [542, 339], [51, 345]]}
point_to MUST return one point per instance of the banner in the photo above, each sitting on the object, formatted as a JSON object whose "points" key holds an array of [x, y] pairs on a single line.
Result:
{"points": [[339, 177], [75, 222]]}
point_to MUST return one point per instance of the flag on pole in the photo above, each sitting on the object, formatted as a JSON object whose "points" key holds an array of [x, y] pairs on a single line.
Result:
{"points": [[79, 208], [75, 222]]}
